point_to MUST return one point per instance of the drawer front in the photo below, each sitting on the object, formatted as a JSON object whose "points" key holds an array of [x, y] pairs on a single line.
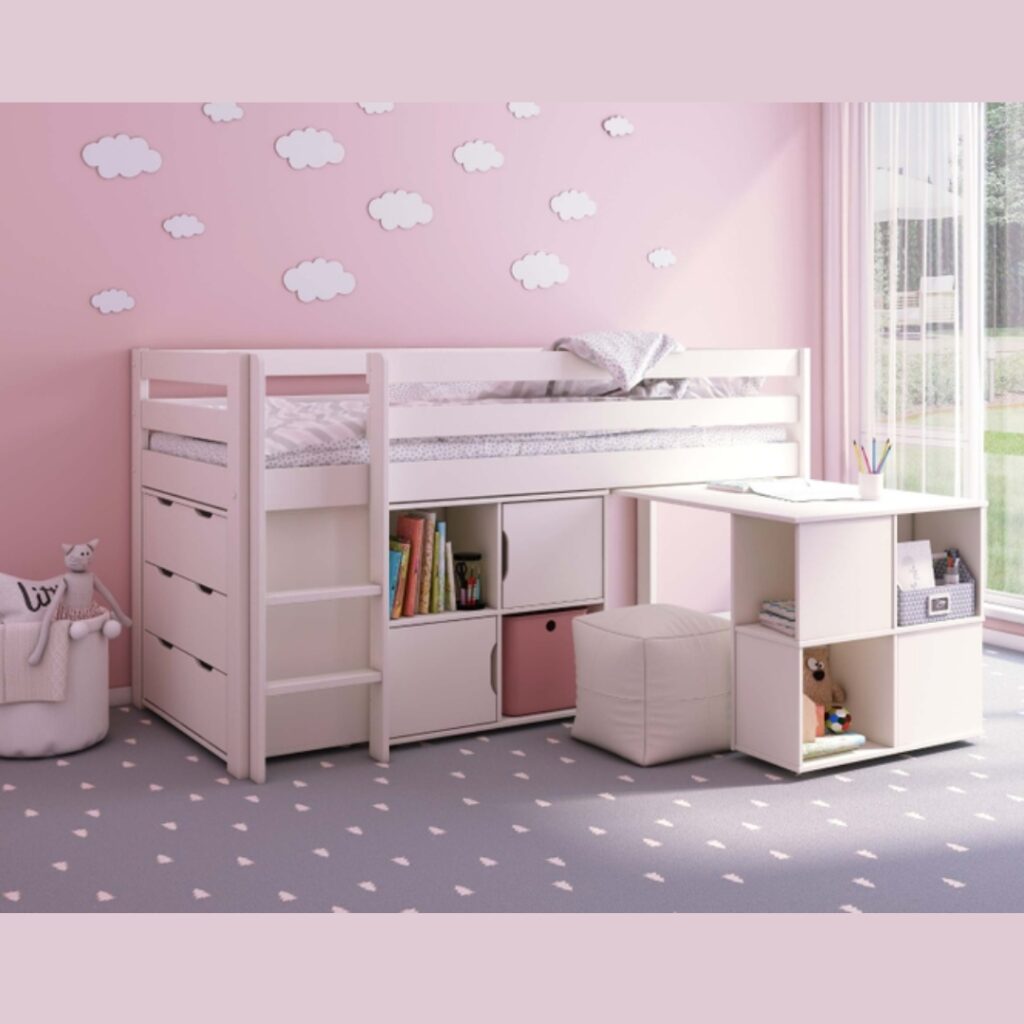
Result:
{"points": [[554, 552], [185, 540], [177, 684], [441, 676], [191, 617], [938, 686], [538, 672]]}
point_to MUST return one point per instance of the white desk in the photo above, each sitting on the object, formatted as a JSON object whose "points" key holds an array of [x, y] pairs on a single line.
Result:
{"points": [[907, 686]]}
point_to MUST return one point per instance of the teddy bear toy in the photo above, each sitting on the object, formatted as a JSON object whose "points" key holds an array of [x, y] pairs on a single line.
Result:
{"points": [[825, 692], [74, 600], [818, 682]]}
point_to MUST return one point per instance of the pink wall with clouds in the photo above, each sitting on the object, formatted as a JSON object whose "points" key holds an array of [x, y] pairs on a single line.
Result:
{"points": [[732, 189]]}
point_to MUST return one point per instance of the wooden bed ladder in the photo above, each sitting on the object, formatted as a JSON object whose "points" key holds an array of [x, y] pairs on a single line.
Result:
{"points": [[375, 588]]}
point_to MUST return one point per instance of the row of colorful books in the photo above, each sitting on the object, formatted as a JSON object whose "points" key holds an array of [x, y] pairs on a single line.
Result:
{"points": [[422, 575]]}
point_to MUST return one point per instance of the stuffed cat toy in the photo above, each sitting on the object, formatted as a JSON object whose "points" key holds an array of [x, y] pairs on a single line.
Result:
{"points": [[73, 599]]}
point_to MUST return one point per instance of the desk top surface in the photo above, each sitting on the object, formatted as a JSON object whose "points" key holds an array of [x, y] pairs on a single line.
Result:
{"points": [[745, 504]]}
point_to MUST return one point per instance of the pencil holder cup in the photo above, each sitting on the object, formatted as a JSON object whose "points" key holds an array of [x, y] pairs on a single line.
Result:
{"points": [[870, 486]]}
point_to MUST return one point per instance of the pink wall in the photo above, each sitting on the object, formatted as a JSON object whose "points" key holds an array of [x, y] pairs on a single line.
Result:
{"points": [[732, 189]]}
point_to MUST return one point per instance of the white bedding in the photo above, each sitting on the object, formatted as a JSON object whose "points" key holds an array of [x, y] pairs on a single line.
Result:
{"points": [[330, 431]]}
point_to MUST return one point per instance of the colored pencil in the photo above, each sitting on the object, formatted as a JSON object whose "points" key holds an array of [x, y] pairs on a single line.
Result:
{"points": [[860, 461], [873, 454]]}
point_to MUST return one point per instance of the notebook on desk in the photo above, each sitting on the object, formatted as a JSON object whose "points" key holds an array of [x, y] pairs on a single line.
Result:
{"points": [[790, 489]]}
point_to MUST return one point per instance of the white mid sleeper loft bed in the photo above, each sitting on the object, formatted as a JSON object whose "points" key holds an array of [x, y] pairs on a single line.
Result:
{"points": [[261, 525]]}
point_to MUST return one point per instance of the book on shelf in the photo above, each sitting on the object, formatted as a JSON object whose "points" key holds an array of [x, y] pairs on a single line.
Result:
{"points": [[427, 567], [403, 548], [449, 577], [437, 575], [779, 615], [442, 529], [410, 528], [394, 565]]}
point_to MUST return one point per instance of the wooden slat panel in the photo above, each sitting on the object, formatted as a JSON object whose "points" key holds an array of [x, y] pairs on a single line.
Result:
{"points": [[498, 418], [186, 478], [329, 362], [190, 367], [316, 487], [430, 481], [187, 419], [538, 364]]}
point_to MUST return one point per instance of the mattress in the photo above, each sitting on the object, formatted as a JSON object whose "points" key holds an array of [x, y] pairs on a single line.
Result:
{"points": [[331, 432]]}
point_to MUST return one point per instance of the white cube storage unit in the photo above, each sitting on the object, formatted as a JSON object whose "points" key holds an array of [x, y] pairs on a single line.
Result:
{"points": [[907, 687], [445, 670]]}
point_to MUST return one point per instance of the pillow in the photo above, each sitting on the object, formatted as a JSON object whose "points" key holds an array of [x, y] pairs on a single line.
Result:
{"points": [[25, 600]]}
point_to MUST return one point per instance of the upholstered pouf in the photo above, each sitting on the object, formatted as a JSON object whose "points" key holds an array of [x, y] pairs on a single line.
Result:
{"points": [[653, 682]]}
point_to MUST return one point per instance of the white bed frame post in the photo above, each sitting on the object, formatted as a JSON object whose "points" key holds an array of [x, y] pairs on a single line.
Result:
{"points": [[257, 594], [140, 391], [377, 435], [241, 430]]}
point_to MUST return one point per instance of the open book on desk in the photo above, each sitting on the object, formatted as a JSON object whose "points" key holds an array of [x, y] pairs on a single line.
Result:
{"points": [[790, 489]]}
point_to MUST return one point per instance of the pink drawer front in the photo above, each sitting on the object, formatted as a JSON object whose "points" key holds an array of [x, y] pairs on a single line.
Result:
{"points": [[537, 669]]}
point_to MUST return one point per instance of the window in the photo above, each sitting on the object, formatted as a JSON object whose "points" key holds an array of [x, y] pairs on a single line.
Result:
{"points": [[945, 353], [1004, 349]]}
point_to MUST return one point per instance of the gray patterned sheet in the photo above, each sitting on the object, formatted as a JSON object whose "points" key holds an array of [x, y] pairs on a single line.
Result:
{"points": [[331, 432]]}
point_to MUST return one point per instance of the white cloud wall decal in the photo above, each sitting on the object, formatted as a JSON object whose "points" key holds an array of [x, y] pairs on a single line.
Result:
{"points": [[617, 126], [661, 258], [113, 300], [522, 109], [309, 147], [478, 156], [380, 107], [184, 225], [400, 209], [540, 270], [122, 156], [319, 279], [573, 205], [222, 112]]}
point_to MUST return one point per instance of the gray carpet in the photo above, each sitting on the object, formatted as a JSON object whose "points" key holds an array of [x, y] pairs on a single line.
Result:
{"points": [[522, 820]]}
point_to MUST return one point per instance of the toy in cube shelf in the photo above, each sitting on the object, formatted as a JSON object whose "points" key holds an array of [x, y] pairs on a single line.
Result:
{"points": [[828, 695], [818, 682], [838, 719]]}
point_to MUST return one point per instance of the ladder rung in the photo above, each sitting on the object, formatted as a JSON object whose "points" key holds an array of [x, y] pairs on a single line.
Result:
{"points": [[330, 681], [312, 594]]}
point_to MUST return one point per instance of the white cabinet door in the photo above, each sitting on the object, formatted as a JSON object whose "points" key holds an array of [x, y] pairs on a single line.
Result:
{"points": [[441, 675], [938, 686], [554, 552], [844, 583]]}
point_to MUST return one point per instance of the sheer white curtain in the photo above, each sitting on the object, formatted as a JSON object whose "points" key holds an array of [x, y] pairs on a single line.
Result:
{"points": [[922, 361], [847, 271]]}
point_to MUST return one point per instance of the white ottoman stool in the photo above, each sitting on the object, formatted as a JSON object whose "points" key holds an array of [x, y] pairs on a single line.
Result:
{"points": [[653, 682]]}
